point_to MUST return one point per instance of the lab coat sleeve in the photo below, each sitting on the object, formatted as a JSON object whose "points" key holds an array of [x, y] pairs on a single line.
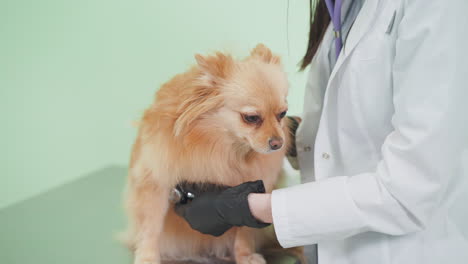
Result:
{"points": [[420, 156]]}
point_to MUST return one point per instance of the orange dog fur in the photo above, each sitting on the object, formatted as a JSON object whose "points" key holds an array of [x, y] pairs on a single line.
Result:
{"points": [[195, 130]]}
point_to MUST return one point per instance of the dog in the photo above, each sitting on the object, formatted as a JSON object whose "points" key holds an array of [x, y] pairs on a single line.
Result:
{"points": [[221, 122]]}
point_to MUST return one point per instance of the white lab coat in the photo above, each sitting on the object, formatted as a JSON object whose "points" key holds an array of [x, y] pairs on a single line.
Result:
{"points": [[383, 135]]}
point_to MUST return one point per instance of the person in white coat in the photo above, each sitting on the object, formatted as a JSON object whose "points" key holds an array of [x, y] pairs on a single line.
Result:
{"points": [[382, 136]]}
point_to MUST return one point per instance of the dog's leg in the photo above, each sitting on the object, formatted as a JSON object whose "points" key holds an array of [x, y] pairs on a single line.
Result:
{"points": [[244, 247], [149, 204]]}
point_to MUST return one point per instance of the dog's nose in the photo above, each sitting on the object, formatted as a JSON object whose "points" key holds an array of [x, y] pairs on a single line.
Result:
{"points": [[275, 143]]}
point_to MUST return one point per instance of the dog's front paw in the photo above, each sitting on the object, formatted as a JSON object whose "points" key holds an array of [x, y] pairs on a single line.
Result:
{"points": [[146, 261], [254, 258], [150, 258]]}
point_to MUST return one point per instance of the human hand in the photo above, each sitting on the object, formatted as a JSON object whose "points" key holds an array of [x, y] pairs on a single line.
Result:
{"points": [[294, 122], [214, 212]]}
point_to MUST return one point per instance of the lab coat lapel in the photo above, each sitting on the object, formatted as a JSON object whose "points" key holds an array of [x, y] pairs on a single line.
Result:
{"points": [[362, 23]]}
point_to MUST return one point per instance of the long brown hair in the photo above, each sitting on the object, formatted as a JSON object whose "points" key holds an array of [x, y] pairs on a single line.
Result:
{"points": [[319, 21]]}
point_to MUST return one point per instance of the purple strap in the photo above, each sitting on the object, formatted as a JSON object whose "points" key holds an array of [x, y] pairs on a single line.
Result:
{"points": [[335, 14]]}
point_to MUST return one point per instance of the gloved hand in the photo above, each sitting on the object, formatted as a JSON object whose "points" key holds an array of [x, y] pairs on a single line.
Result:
{"points": [[215, 212], [294, 122]]}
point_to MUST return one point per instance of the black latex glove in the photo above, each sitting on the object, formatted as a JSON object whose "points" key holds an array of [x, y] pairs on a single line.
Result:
{"points": [[214, 212]]}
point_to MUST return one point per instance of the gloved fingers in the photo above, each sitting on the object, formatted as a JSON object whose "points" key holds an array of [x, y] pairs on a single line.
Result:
{"points": [[245, 214], [198, 188], [217, 231], [259, 187], [293, 124], [251, 187], [212, 226], [246, 188]]}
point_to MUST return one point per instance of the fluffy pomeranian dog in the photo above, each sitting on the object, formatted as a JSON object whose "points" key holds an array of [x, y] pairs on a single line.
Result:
{"points": [[220, 122]]}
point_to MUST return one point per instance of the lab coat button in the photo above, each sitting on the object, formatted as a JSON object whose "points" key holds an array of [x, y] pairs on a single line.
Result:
{"points": [[307, 148], [325, 155]]}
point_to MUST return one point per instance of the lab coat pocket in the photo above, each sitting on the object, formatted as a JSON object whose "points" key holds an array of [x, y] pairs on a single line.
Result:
{"points": [[372, 46]]}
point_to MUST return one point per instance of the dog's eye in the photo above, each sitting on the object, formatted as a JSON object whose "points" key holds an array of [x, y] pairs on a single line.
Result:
{"points": [[251, 118], [283, 114]]}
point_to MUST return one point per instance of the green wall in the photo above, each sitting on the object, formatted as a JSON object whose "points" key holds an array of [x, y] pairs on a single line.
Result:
{"points": [[74, 75]]}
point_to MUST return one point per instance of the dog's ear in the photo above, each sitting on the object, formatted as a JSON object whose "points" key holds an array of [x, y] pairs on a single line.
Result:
{"points": [[215, 68], [263, 53], [204, 96]]}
